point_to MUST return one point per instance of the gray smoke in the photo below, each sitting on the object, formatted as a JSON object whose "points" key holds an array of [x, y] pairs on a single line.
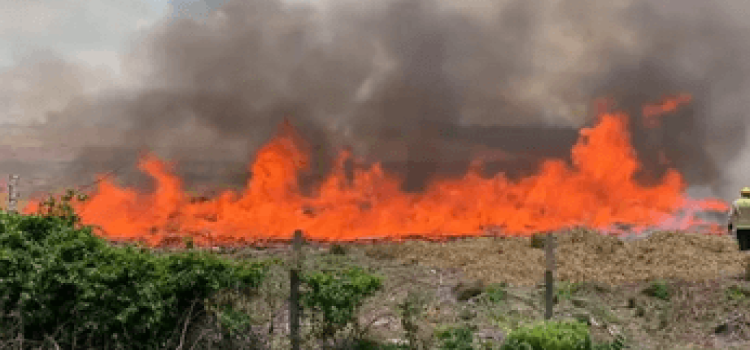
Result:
{"points": [[696, 48], [403, 80]]}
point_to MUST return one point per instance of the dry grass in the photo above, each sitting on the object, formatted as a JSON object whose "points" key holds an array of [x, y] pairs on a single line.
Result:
{"points": [[581, 256], [699, 270]]}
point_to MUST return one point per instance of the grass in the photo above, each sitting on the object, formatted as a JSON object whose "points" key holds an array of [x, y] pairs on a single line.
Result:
{"points": [[565, 290]]}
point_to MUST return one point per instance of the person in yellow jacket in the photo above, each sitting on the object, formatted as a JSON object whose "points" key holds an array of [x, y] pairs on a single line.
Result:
{"points": [[739, 219]]}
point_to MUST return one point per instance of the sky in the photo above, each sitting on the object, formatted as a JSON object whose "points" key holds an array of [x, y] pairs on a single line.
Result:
{"points": [[54, 50], [93, 31]]}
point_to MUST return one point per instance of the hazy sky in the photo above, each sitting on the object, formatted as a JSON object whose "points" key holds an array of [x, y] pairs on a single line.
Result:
{"points": [[93, 31], [54, 50]]}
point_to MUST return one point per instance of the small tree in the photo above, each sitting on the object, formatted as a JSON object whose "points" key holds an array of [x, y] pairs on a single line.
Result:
{"points": [[335, 298]]}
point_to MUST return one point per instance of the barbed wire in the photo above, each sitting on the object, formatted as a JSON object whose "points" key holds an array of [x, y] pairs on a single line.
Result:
{"points": [[103, 177]]}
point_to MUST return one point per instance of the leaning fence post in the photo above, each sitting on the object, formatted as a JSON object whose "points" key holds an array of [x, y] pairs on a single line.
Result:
{"points": [[12, 193], [549, 246], [294, 282]]}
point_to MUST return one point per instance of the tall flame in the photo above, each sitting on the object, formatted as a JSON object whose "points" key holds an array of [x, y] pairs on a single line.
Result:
{"points": [[597, 191]]}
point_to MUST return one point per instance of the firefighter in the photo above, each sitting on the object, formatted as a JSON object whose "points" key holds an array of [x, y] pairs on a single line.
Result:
{"points": [[739, 219]]}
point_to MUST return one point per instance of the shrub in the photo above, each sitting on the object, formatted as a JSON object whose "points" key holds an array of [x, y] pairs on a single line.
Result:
{"points": [[561, 335], [71, 286], [455, 338], [496, 292], [233, 321], [550, 336], [335, 298], [737, 293], [659, 289]]}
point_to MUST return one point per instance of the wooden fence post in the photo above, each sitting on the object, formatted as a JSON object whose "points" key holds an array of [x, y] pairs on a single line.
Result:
{"points": [[294, 295], [12, 193], [549, 276]]}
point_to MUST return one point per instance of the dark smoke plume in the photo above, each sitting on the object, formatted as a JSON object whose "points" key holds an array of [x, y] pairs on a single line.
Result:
{"points": [[424, 84]]}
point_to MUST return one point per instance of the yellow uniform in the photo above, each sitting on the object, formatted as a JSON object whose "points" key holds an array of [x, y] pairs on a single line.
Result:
{"points": [[739, 219]]}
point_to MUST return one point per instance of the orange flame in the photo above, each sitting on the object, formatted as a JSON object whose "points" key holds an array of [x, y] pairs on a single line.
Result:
{"points": [[597, 191], [652, 112]]}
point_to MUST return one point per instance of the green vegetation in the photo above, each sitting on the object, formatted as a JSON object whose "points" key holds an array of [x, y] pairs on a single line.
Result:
{"points": [[660, 290], [455, 338], [562, 335], [65, 286], [496, 292], [737, 293], [335, 297], [550, 336]]}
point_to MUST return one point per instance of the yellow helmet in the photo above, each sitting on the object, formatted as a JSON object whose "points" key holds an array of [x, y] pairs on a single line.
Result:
{"points": [[745, 191]]}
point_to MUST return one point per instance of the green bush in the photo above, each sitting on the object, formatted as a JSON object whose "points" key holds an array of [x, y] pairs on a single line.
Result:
{"points": [[737, 293], [68, 285], [335, 297], [496, 292], [550, 336], [233, 321], [659, 289], [561, 335], [455, 338]]}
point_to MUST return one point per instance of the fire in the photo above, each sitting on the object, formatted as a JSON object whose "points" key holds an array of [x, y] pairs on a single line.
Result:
{"points": [[598, 191], [652, 112]]}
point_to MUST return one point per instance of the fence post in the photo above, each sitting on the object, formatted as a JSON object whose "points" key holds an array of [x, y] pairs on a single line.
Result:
{"points": [[549, 297], [12, 193], [294, 282]]}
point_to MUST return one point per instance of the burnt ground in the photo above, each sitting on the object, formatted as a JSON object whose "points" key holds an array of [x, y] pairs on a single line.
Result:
{"points": [[668, 291]]}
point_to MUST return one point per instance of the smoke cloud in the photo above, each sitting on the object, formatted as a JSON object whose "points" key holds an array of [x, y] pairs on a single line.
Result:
{"points": [[425, 85]]}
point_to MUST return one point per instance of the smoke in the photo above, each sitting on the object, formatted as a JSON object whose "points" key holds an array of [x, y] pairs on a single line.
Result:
{"points": [[693, 47], [402, 80], [43, 81]]}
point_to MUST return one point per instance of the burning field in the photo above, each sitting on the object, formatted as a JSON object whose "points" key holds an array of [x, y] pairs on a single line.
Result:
{"points": [[430, 142], [359, 201], [409, 119]]}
